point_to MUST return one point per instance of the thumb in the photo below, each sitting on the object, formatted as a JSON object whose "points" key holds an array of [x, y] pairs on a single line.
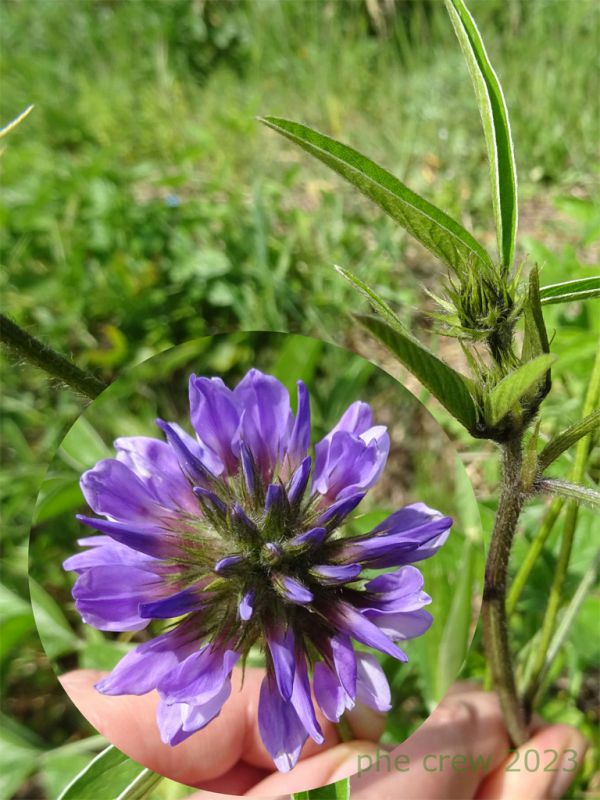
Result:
{"points": [[541, 769]]}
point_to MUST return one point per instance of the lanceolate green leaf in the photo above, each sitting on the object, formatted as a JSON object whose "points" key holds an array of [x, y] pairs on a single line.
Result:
{"points": [[438, 232], [505, 396], [334, 791], [568, 438], [570, 291], [496, 127], [111, 776], [448, 386]]}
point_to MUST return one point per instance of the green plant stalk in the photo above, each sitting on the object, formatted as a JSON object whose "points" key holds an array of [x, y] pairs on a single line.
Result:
{"points": [[495, 627], [25, 346], [556, 591], [536, 547]]}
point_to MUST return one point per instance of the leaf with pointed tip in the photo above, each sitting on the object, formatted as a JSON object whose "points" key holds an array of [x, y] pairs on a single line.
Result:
{"points": [[452, 389], [438, 232], [571, 291], [496, 128], [376, 301], [535, 339], [506, 395], [572, 491]]}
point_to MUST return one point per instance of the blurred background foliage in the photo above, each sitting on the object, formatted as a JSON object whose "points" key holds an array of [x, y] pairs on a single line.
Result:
{"points": [[142, 205]]}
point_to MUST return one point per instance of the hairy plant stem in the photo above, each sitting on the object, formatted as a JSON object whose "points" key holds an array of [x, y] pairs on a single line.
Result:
{"points": [[25, 346], [495, 627]]}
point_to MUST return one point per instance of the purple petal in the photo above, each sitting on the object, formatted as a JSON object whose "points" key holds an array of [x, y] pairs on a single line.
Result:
{"points": [[148, 539], [246, 606], [281, 647], [206, 496], [178, 721], [108, 597], [330, 574], [141, 670], [363, 630], [302, 700], [357, 418], [215, 416], [299, 481], [155, 463], [170, 722], [275, 498], [300, 437], [175, 606], [106, 552], [344, 660], [239, 516], [228, 563], [403, 626], [338, 511], [409, 535], [346, 463], [292, 589], [372, 687], [113, 490], [280, 727], [329, 693], [248, 467], [313, 537], [198, 716], [199, 677], [399, 591], [266, 418], [189, 454]]}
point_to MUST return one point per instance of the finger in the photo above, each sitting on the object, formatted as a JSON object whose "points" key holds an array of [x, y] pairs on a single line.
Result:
{"points": [[318, 770], [544, 767], [366, 723], [129, 722], [467, 723], [447, 757]]}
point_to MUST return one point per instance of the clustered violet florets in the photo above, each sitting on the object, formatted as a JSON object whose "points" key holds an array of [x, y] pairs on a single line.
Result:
{"points": [[234, 535]]}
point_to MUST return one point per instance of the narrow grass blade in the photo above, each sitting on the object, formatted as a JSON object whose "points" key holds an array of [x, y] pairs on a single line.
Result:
{"points": [[17, 121], [334, 791], [570, 614], [455, 640], [571, 291], [450, 387], [438, 232], [111, 776], [496, 128]]}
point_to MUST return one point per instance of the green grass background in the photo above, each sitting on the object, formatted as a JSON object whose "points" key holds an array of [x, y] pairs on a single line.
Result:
{"points": [[142, 205]]}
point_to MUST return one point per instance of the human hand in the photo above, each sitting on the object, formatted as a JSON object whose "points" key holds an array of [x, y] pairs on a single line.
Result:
{"points": [[229, 757]]}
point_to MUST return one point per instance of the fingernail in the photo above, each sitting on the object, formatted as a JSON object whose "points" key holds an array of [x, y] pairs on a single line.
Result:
{"points": [[569, 765]]}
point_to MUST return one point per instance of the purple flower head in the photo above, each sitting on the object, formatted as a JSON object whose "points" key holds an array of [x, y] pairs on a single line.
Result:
{"points": [[235, 534]]}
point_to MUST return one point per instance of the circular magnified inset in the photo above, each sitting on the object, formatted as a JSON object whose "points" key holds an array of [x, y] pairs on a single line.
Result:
{"points": [[259, 546]]}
